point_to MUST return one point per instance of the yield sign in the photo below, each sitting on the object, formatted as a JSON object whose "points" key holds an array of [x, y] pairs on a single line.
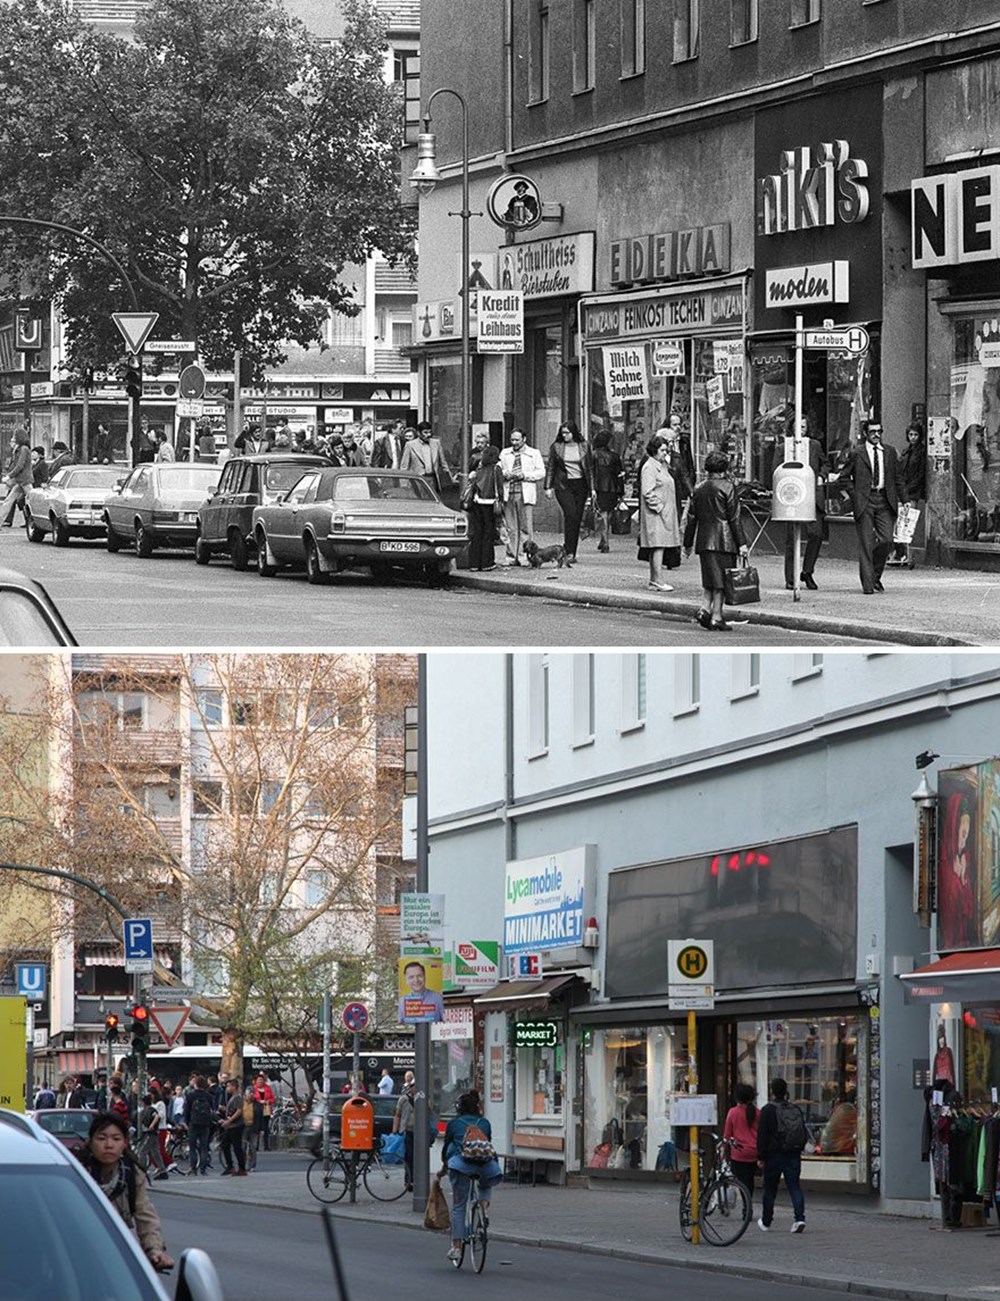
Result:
{"points": [[169, 1021], [135, 327]]}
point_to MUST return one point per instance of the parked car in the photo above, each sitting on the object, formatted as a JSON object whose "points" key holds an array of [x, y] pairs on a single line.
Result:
{"points": [[60, 1236], [71, 503], [158, 504], [339, 518], [311, 1133], [225, 521], [70, 1125], [28, 615]]}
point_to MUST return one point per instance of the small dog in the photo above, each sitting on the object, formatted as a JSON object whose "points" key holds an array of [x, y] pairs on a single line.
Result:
{"points": [[538, 556]]}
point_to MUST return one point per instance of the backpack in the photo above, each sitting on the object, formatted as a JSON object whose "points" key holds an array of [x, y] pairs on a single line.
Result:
{"points": [[201, 1108], [476, 1147], [790, 1127], [120, 1106]]}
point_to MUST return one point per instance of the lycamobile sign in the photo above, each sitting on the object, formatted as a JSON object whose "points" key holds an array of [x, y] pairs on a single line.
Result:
{"points": [[547, 900]]}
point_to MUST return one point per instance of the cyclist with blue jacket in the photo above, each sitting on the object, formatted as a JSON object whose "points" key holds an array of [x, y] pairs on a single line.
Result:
{"points": [[461, 1170]]}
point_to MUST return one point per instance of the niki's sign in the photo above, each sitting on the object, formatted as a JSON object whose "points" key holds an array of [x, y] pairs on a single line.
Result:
{"points": [[672, 255], [956, 218], [812, 188]]}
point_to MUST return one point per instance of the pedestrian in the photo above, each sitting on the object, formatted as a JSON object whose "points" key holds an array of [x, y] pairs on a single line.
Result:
{"points": [[781, 1136], [147, 1148], [387, 448], [461, 1171], [485, 489], [164, 447], [353, 451], [567, 477], [714, 529], [232, 1131], [608, 485], [198, 1118], [101, 448], [253, 1122], [107, 1159], [147, 443], [741, 1128], [659, 531], [385, 1084], [874, 478], [61, 456], [117, 1101], [812, 530], [265, 1096], [39, 467], [44, 1098], [424, 455], [18, 477], [522, 469], [70, 1093], [912, 484], [402, 1123]]}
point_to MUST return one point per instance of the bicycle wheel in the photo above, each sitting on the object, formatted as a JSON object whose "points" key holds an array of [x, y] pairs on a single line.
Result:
{"points": [[684, 1205], [327, 1178], [725, 1211], [478, 1238], [385, 1182]]}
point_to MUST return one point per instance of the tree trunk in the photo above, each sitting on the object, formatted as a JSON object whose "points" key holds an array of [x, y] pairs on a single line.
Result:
{"points": [[232, 1054]]}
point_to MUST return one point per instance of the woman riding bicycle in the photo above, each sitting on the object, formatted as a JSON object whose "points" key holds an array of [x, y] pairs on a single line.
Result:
{"points": [[461, 1171]]}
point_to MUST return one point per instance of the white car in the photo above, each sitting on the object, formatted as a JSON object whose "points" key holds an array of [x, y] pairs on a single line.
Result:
{"points": [[71, 503]]}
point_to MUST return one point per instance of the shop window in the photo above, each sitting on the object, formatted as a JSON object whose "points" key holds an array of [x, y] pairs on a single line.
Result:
{"points": [[452, 1073], [633, 37], [583, 699], [540, 1077], [981, 1041], [538, 706], [546, 385], [803, 12], [538, 52], [964, 450], [633, 692], [584, 45], [629, 1074], [743, 20], [686, 29], [687, 684]]}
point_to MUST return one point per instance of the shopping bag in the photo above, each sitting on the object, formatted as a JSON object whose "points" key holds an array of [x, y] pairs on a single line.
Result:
{"points": [[437, 1216], [392, 1148], [742, 585], [906, 523]]}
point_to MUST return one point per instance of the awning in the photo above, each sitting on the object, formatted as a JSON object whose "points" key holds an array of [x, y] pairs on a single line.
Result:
{"points": [[113, 955], [512, 994], [73, 1060], [961, 977]]}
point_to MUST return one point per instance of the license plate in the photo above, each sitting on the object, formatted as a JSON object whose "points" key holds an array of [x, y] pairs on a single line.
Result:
{"points": [[188, 516], [399, 546]]}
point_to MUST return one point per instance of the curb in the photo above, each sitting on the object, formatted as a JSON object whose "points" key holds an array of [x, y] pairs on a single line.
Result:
{"points": [[601, 597], [711, 1264]]}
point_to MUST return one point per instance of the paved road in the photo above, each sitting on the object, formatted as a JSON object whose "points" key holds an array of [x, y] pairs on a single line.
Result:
{"points": [[123, 601], [262, 1254]]}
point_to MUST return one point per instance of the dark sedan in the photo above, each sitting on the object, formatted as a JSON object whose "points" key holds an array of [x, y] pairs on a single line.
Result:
{"points": [[158, 504], [345, 518]]}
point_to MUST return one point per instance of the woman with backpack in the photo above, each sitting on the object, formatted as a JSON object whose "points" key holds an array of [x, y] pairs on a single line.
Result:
{"points": [[107, 1159], [741, 1129], [468, 1154]]}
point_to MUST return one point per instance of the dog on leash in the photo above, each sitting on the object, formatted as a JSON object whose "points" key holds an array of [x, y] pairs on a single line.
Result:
{"points": [[538, 556]]}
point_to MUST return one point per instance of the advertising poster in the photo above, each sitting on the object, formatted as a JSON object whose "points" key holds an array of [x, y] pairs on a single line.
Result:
{"points": [[716, 392], [421, 975], [667, 358], [625, 378], [476, 964], [13, 1052], [457, 1024], [968, 885], [496, 1072], [546, 901]]}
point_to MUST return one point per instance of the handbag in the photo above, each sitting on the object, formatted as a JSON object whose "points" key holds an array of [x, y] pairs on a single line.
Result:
{"points": [[599, 1158], [437, 1216], [742, 585], [906, 523]]}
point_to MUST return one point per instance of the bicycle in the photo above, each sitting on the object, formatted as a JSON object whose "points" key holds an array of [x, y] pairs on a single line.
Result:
{"points": [[725, 1207], [476, 1235], [329, 1177]]}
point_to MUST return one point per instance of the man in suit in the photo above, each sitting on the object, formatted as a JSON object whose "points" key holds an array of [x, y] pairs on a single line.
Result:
{"points": [[812, 532], [387, 450], [424, 455], [875, 500]]}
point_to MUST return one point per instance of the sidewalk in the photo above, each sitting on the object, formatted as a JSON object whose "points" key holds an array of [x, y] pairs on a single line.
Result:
{"points": [[920, 607], [845, 1247]]}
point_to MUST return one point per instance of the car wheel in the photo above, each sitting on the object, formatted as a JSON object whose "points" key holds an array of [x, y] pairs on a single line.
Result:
{"points": [[114, 541], [35, 534], [439, 575], [265, 569], [314, 574], [60, 533], [143, 540], [202, 554], [238, 554]]}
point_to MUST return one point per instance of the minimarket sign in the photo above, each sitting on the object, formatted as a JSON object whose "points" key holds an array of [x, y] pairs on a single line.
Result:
{"points": [[547, 900]]}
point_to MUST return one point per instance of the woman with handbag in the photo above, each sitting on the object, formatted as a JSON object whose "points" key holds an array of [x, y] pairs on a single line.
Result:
{"points": [[265, 1096], [608, 483], [485, 499], [658, 528], [714, 530]]}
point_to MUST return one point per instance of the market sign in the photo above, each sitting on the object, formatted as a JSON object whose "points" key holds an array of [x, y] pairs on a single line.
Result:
{"points": [[476, 963], [625, 378], [536, 1034], [547, 900], [547, 268], [818, 282], [501, 321], [672, 255], [955, 218]]}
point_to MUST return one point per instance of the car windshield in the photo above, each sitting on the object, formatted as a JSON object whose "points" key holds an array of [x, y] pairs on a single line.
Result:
{"points": [[66, 1122], [279, 478], [24, 621], [189, 476], [381, 487], [97, 478], [56, 1242]]}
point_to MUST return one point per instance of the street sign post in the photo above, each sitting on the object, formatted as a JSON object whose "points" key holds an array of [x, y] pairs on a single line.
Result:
{"points": [[191, 382], [853, 339], [31, 980], [355, 1016], [691, 985], [138, 934]]}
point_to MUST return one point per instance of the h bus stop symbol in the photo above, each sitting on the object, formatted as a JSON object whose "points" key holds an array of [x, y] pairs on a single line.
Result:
{"points": [[692, 962]]}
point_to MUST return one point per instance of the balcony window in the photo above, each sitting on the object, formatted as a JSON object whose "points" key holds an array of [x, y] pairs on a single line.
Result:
{"points": [[804, 12], [633, 37], [633, 678], [743, 21], [538, 52], [687, 24], [124, 709], [584, 45]]}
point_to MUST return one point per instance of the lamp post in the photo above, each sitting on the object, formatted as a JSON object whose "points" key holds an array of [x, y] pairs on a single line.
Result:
{"points": [[425, 177]]}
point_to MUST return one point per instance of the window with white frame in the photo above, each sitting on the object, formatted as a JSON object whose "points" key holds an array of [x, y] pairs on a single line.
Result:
{"points": [[270, 794], [743, 21], [686, 29], [808, 665], [745, 676], [538, 52], [206, 797], [583, 699], [124, 709], [687, 683], [633, 37], [207, 711], [538, 705], [317, 887], [584, 45], [633, 675], [162, 799], [804, 11], [323, 710]]}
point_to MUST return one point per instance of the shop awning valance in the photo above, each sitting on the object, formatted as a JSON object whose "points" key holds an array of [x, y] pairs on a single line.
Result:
{"points": [[72, 1060], [113, 955], [512, 994], [960, 977]]}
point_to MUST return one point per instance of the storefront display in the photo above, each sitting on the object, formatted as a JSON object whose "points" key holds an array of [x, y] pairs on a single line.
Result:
{"points": [[971, 511]]}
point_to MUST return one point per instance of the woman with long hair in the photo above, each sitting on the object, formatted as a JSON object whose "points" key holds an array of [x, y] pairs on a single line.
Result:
{"points": [[108, 1160], [461, 1171], [608, 485], [568, 476], [741, 1126], [482, 509], [956, 886]]}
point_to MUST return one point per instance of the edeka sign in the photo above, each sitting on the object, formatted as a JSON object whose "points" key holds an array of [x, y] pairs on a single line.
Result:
{"points": [[547, 900], [664, 312], [955, 218], [672, 255], [548, 268]]}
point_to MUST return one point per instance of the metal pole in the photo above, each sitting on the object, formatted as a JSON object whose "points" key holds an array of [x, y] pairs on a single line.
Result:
{"points": [[797, 456], [466, 293], [326, 1075], [237, 397], [356, 1064], [26, 358], [85, 426], [422, 1045], [693, 1088]]}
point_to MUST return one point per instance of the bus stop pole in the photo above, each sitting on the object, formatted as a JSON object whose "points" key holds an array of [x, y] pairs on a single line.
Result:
{"points": [[326, 1074], [693, 1088], [422, 1044], [797, 456]]}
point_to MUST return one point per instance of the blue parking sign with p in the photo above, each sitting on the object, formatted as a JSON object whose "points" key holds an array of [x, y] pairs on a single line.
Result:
{"points": [[138, 937], [31, 980]]}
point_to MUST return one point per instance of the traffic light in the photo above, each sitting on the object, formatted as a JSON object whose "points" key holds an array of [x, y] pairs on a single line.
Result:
{"points": [[246, 379], [111, 1027], [133, 375], [140, 1028]]}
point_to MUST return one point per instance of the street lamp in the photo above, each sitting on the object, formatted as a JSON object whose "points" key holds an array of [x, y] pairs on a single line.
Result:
{"points": [[425, 177]]}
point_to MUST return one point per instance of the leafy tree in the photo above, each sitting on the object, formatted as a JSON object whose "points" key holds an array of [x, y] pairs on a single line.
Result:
{"points": [[235, 167]]}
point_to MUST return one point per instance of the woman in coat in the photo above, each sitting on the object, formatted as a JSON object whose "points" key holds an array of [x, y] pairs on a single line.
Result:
{"points": [[608, 478], [482, 509], [912, 480], [714, 529], [567, 475], [658, 527], [107, 1159]]}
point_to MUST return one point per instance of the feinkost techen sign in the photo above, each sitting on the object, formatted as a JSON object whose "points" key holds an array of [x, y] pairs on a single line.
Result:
{"points": [[547, 900]]}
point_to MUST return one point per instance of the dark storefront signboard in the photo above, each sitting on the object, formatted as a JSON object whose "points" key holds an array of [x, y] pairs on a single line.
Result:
{"points": [[781, 915], [697, 311], [818, 240]]}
